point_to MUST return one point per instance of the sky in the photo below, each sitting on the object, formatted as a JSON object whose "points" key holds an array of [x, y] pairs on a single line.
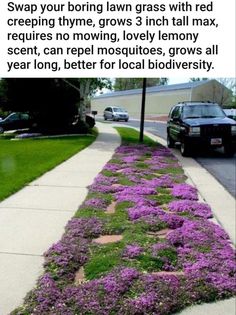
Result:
{"points": [[178, 80]]}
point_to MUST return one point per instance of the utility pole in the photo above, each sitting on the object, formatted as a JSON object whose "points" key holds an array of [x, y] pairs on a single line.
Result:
{"points": [[142, 110]]}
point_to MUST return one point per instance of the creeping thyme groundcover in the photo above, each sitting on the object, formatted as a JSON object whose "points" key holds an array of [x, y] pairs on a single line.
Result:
{"points": [[170, 253]]}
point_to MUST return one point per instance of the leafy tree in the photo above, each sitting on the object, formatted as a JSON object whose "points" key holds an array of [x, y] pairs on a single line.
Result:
{"points": [[122, 84], [52, 102], [3, 88], [85, 88], [198, 79], [230, 83]]}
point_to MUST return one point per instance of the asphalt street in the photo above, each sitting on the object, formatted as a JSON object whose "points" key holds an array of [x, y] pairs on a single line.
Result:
{"points": [[222, 168]]}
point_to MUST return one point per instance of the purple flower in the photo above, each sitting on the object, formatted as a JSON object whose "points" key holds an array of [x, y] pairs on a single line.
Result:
{"points": [[191, 206], [66, 257], [130, 159], [163, 181], [196, 246], [172, 221], [46, 295], [111, 167], [84, 227], [143, 210], [105, 189], [136, 190], [96, 203], [132, 251], [153, 222], [184, 191], [145, 302], [105, 180]]}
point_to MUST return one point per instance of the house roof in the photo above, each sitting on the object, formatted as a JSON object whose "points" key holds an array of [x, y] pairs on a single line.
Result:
{"points": [[155, 89]]}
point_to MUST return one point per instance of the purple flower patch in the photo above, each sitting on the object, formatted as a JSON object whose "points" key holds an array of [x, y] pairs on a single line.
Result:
{"points": [[163, 181], [112, 167], [184, 191], [141, 211], [196, 251], [191, 206], [96, 203], [132, 251]]}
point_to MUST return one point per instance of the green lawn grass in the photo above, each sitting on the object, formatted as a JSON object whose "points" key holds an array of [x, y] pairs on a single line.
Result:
{"points": [[130, 135], [24, 160]]}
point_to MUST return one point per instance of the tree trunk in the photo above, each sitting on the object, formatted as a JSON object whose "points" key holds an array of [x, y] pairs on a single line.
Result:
{"points": [[84, 92]]}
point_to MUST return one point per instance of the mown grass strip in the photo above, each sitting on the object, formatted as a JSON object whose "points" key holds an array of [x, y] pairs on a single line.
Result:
{"points": [[23, 161], [130, 135]]}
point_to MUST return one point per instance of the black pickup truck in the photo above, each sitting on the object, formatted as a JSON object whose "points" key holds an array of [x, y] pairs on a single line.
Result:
{"points": [[200, 124]]}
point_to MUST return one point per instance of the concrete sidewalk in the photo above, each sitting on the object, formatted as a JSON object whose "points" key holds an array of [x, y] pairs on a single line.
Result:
{"points": [[34, 218]]}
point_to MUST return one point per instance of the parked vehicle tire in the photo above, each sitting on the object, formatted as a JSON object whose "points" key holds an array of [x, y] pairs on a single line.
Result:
{"points": [[126, 120], [90, 121], [185, 149], [1, 130], [229, 150], [105, 118], [170, 142]]}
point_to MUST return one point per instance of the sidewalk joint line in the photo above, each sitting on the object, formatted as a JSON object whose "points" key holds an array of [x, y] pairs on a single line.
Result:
{"points": [[54, 186], [35, 185], [37, 209], [20, 254]]}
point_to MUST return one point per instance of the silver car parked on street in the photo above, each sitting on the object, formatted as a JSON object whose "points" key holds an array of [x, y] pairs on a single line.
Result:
{"points": [[115, 113]]}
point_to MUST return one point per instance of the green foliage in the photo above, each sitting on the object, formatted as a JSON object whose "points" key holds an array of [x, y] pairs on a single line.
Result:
{"points": [[125, 181], [198, 79], [103, 259], [137, 234], [22, 161], [89, 213], [146, 262], [109, 173], [162, 190], [130, 135], [118, 222], [136, 83], [162, 199], [51, 102], [115, 161], [171, 170], [169, 253], [141, 165]]}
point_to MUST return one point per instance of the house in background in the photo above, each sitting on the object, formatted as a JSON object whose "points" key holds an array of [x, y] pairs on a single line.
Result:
{"points": [[160, 99]]}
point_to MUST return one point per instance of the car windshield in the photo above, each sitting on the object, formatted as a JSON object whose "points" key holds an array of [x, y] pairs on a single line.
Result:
{"points": [[118, 109], [203, 111]]}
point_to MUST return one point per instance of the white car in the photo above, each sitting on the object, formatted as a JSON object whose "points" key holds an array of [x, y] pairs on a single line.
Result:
{"points": [[231, 113], [115, 113]]}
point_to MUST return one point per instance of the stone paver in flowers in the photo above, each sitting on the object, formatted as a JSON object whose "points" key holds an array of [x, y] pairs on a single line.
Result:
{"points": [[163, 253]]}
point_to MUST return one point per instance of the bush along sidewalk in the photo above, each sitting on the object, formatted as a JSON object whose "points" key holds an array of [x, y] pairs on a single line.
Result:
{"points": [[141, 243]]}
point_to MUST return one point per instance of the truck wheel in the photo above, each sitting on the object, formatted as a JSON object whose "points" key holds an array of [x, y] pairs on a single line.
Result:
{"points": [[184, 149], [170, 142], [1, 130], [229, 151]]}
